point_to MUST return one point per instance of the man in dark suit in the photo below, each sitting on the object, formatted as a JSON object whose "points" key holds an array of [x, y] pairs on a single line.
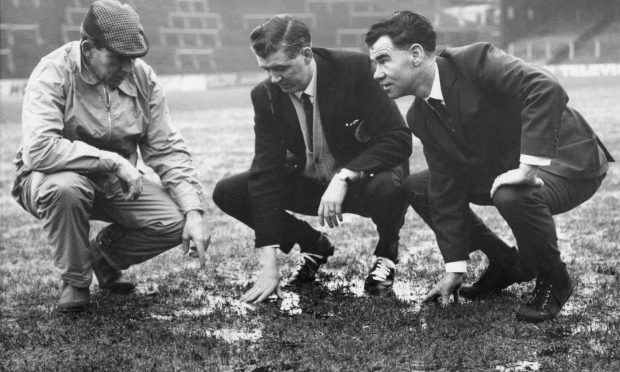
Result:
{"points": [[328, 141], [495, 131]]}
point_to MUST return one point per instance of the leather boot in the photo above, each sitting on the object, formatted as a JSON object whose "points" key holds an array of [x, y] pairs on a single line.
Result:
{"points": [[109, 278], [553, 289], [311, 260], [73, 299], [501, 273]]}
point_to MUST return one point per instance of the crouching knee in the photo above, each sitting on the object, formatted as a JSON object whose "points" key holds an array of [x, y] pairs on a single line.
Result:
{"points": [[64, 191], [512, 199]]}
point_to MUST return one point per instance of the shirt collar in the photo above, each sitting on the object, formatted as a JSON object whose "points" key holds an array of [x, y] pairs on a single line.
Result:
{"points": [[127, 85], [311, 88], [436, 88]]}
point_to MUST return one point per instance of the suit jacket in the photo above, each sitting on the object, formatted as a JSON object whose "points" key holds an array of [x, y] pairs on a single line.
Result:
{"points": [[346, 92], [499, 107]]}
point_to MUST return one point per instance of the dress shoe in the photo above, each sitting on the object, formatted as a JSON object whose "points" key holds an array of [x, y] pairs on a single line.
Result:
{"points": [[380, 280], [310, 261], [73, 299], [553, 289], [109, 278], [500, 274]]}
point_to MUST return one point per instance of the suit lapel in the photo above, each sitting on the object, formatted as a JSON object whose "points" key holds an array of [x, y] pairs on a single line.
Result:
{"points": [[282, 104], [450, 89], [326, 94], [441, 134]]}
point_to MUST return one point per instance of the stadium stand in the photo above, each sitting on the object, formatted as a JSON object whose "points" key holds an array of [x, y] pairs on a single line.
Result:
{"points": [[578, 32], [208, 36]]}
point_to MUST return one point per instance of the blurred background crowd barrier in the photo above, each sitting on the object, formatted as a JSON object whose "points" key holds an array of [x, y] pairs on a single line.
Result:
{"points": [[204, 43]]}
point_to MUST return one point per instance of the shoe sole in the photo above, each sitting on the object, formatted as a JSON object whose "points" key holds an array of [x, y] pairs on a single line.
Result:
{"points": [[71, 309], [299, 285], [118, 291], [383, 291], [483, 295]]}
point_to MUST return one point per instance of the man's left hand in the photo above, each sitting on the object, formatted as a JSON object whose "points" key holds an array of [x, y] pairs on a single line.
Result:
{"points": [[194, 231], [330, 208], [448, 285], [524, 175]]}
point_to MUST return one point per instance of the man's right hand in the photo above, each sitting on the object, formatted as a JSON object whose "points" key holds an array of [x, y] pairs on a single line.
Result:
{"points": [[131, 177], [448, 285], [268, 280]]}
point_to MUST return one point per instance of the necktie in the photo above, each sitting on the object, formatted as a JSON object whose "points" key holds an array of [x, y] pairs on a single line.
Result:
{"points": [[309, 111], [440, 109]]}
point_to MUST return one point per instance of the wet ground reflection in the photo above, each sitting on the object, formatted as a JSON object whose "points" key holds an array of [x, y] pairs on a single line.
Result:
{"points": [[294, 298]]}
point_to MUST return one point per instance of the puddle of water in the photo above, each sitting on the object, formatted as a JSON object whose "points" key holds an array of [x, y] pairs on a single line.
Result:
{"points": [[230, 335], [233, 335], [519, 366], [290, 304], [212, 303], [356, 288], [594, 326]]}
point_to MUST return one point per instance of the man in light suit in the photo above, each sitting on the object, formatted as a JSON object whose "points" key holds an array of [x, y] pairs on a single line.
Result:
{"points": [[496, 131], [328, 141]]}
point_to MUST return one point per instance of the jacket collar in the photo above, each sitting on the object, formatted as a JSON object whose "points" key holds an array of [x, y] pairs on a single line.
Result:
{"points": [[127, 86], [325, 90], [311, 88]]}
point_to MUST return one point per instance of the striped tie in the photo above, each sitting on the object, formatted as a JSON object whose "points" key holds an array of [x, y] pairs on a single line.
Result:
{"points": [[309, 111]]}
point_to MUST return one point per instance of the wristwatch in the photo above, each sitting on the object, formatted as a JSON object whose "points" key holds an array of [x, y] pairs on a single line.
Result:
{"points": [[346, 180]]}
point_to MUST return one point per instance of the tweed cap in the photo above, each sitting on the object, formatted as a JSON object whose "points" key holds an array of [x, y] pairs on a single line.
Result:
{"points": [[117, 26]]}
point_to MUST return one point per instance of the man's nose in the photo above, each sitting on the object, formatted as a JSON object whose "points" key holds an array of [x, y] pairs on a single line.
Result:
{"points": [[275, 77], [127, 65], [378, 74]]}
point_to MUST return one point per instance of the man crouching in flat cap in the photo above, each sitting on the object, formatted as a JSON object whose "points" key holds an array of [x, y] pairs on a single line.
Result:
{"points": [[88, 107]]}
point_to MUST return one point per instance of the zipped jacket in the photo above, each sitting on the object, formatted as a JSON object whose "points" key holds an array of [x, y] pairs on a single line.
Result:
{"points": [[73, 122]]}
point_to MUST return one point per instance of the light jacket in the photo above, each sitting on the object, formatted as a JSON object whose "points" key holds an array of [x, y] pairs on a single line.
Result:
{"points": [[69, 125]]}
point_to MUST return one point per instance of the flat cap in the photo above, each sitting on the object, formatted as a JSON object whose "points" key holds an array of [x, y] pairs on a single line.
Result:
{"points": [[117, 26]]}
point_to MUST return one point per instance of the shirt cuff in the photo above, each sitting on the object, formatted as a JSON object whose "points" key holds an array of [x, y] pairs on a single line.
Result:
{"points": [[354, 176], [187, 197], [535, 160], [456, 267]]}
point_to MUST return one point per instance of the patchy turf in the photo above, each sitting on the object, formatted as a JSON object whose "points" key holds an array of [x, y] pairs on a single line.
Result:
{"points": [[183, 318]]}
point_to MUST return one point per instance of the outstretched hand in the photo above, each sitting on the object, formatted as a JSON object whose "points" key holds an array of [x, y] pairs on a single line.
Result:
{"points": [[193, 231], [448, 285], [268, 280]]}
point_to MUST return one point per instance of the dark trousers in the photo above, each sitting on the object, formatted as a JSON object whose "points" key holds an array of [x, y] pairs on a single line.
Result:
{"points": [[379, 197], [527, 210]]}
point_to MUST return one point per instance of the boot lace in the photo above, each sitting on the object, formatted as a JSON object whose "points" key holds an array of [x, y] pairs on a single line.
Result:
{"points": [[309, 260], [540, 296], [381, 269]]}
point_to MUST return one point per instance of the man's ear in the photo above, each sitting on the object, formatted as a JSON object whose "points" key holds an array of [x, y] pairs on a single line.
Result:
{"points": [[307, 53], [87, 46], [416, 51]]}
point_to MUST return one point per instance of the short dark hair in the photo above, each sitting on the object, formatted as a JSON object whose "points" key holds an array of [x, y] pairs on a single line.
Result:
{"points": [[282, 32], [404, 28]]}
